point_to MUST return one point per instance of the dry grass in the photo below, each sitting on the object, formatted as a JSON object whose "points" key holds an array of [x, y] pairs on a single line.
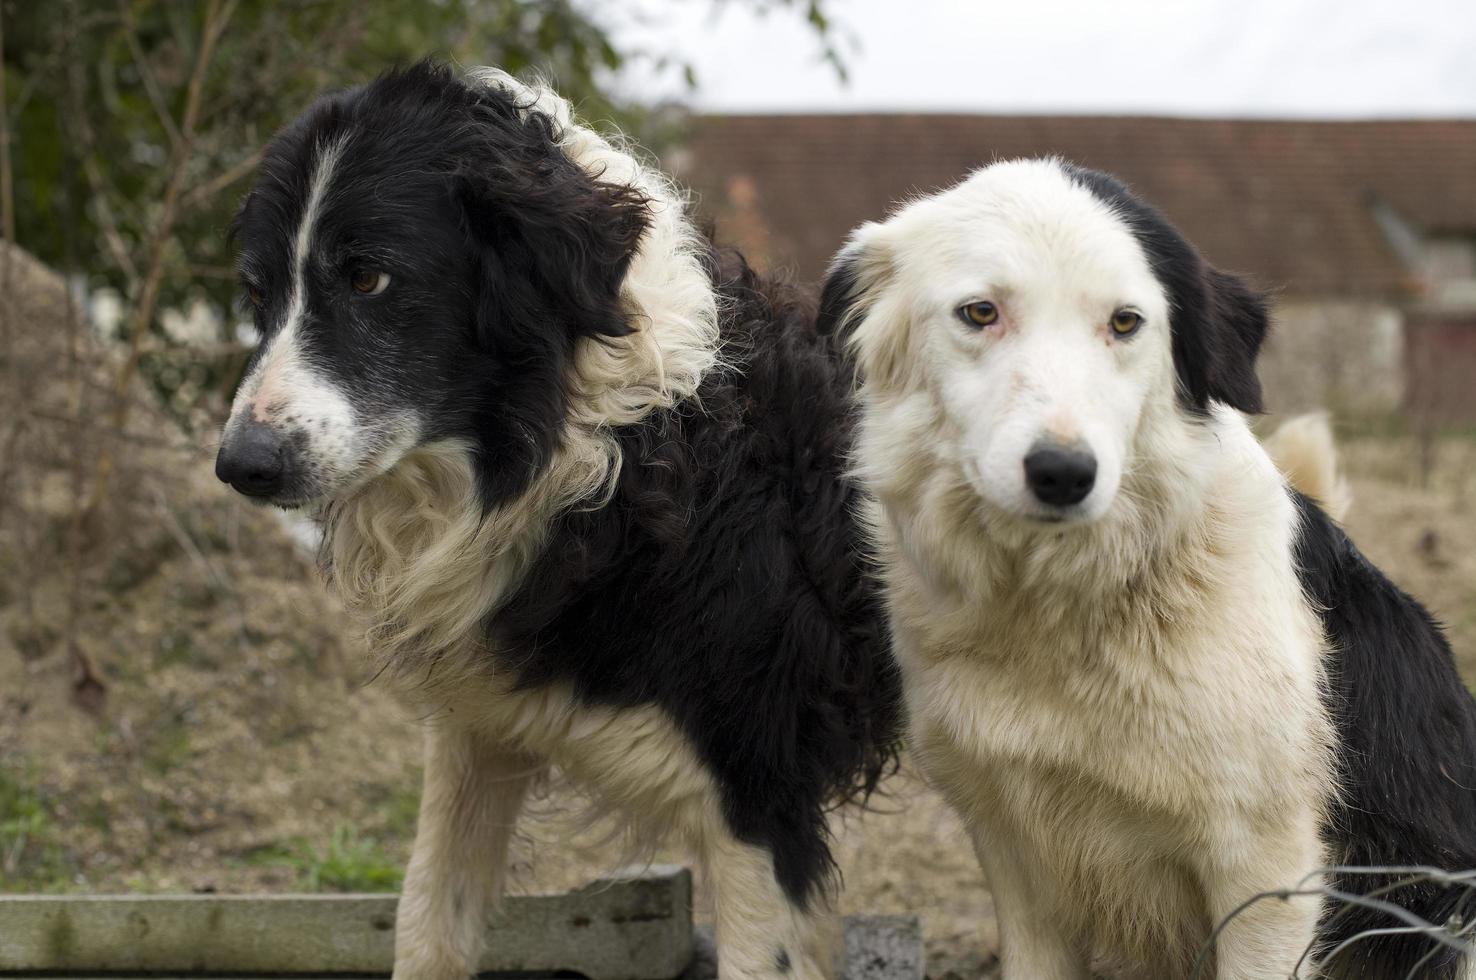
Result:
{"points": [[238, 749], [1423, 537]]}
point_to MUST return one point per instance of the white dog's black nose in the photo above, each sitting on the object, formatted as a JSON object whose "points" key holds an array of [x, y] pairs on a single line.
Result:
{"points": [[1060, 476], [253, 459]]}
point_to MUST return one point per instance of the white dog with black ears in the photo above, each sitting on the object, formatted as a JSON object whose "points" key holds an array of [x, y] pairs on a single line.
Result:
{"points": [[1153, 680]]}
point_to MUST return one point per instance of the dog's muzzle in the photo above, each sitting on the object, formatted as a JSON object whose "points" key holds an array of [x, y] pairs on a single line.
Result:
{"points": [[256, 460]]}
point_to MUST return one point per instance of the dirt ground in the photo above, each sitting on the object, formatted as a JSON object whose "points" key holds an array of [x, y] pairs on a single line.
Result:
{"points": [[237, 745]]}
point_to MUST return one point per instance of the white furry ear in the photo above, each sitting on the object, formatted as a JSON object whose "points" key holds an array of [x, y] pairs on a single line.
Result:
{"points": [[858, 304]]}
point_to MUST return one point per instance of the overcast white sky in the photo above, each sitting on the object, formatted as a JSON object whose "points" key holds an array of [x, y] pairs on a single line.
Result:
{"points": [[1335, 58]]}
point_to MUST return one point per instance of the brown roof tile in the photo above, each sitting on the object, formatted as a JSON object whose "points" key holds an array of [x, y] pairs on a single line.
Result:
{"points": [[1286, 201]]}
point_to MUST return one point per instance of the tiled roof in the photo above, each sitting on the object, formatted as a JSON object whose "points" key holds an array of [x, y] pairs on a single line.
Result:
{"points": [[1290, 202]]}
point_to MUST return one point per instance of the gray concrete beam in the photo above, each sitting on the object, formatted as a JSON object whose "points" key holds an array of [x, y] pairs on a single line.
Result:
{"points": [[624, 929]]}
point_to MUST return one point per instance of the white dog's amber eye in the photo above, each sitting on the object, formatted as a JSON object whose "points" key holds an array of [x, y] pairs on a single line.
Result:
{"points": [[369, 282], [1126, 322], [980, 314]]}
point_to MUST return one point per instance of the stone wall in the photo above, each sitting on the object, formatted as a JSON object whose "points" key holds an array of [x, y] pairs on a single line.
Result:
{"points": [[1346, 356]]}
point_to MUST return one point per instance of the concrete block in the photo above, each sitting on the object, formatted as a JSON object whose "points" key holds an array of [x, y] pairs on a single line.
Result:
{"points": [[877, 947], [884, 947]]}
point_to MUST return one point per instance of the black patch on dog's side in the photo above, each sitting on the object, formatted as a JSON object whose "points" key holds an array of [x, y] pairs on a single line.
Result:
{"points": [[1406, 730], [1219, 322], [725, 583]]}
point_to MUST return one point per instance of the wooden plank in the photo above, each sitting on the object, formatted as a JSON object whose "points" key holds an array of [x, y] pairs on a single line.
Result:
{"points": [[637, 928]]}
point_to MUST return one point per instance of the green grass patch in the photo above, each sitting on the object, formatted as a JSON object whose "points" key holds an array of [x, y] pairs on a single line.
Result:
{"points": [[395, 809], [176, 647], [30, 857], [348, 863], [168, 748]]}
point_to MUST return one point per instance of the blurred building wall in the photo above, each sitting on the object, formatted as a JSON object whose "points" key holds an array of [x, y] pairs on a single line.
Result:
{"points": [[1351, 226], [1346, 356], [1440, 353]]}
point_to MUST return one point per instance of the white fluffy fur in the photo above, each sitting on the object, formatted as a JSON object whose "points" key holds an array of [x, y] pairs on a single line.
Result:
{"points": [[1123, 706], [1303, 448]]}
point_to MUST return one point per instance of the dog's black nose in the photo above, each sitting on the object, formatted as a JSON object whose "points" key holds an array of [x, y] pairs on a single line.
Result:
{"points": [[252, 459], [1059, 476]]}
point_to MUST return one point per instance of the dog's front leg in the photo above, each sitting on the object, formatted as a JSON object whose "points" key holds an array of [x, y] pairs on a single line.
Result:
{"points": [[761, 931], [1034, 941], [468, 810], [1264, 940]]}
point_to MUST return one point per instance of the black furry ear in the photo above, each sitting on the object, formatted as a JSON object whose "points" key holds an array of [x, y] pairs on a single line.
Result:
{"points": [[1215, 348], [849, 304], [855, 273], [566, 236], [841, 292], [1219, 321], [1242, 321], [551, 245]]}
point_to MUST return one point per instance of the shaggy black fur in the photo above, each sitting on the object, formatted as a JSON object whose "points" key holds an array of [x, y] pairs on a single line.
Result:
{"points": [[724, 581], [1407, 751], [840, 294]]}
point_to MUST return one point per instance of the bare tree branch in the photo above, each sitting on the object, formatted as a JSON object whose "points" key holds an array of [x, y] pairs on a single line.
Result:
{"points": [[146, 71], [133, 438], [224, 179], [217, 16], [106, 220], [97, 181]]}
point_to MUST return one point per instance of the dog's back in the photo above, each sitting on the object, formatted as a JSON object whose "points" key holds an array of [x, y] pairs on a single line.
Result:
{"points": [[1406, 732], [1407, 757]]}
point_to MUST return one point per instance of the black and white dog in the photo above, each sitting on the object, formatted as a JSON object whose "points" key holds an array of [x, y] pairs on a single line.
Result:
{"points": [[1152, 679], [583, 478]]}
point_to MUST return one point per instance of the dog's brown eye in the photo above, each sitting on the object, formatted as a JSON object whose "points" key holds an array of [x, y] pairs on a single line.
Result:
{"points": [[980, 314], [369, 282], [256, 296], [1126, 323]]}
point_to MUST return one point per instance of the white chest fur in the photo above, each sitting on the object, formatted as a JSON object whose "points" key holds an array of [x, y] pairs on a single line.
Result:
{"points": [[1128, 731]]}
